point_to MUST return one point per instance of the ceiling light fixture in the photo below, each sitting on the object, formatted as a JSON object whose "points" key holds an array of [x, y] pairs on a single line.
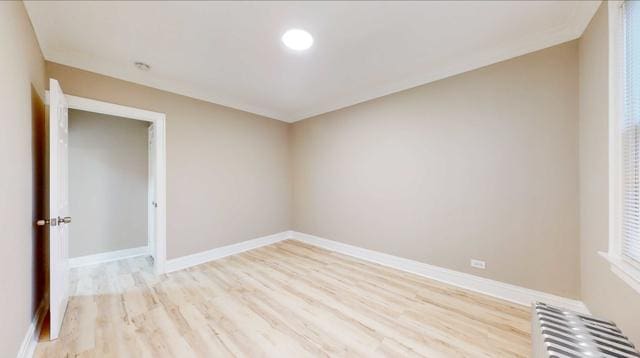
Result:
{"points": [[297, 39], [142, 66]]}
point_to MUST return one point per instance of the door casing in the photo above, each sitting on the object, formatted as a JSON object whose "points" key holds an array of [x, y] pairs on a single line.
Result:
{"points": [[158, 120]]}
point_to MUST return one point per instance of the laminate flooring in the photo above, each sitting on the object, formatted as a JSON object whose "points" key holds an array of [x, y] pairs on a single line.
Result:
{"points": [[288, 299]]}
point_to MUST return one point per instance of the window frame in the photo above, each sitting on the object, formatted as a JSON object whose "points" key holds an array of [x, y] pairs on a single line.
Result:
{"points": [[626, 269]]}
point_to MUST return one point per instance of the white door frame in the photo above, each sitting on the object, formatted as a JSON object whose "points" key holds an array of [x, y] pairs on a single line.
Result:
{"points": [[152, 206], [159, 121]]}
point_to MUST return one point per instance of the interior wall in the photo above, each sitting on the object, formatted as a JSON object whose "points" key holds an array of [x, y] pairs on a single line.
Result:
{"points": [[604, 293], [22, 190], [495, 149], [108, 181], [228, 171], [481, 165]]}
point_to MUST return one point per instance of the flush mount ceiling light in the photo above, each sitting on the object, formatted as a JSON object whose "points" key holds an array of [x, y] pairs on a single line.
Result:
{"points": [[142, 66], [297, 39]]}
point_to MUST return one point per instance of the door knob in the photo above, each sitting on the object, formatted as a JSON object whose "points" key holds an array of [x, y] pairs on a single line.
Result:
{"points": [[42, 222], [52, 221]]}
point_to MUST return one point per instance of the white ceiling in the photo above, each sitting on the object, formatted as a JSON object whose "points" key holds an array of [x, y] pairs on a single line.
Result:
{"points": [[230, 52]]}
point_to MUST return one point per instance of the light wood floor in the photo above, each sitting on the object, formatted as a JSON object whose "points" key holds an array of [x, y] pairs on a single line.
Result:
{"points": [[284, 300]]}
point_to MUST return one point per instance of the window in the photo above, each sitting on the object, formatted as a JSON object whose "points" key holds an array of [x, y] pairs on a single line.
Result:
{"points": [[624, 250], [631, 133]]}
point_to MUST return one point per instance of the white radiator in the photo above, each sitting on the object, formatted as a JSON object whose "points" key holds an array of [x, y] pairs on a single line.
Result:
{"points": [[561, 333]]}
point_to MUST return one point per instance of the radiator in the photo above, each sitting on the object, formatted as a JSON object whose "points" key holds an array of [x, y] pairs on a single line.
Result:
{"points": [[561, 333]]}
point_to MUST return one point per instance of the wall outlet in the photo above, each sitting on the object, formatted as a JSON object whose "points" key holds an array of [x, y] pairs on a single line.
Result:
{"points": [[478, 264]]}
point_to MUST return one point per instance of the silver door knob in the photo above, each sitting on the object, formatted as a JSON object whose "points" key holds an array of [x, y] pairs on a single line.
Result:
{"points": [[42, 222], [52, 221], [65, 220]]}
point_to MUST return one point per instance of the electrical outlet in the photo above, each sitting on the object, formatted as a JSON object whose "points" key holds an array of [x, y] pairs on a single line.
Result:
{"points": [[478, 264]]}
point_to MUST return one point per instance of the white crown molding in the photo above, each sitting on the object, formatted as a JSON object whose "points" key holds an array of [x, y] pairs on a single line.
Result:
{"points": [[572, 28], [505, 291], [199, 258], [127, 72], [30, 341], [108, 256]]}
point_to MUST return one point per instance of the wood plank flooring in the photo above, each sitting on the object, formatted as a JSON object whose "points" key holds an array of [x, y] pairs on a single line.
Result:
{"points": [[284, 300]]}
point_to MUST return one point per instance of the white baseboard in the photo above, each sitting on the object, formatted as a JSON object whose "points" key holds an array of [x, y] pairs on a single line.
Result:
{"points": [[505, 291], [184, 262], [108, 256], [30, 341]]}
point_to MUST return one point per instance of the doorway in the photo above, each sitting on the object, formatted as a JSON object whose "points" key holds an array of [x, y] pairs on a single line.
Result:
{"points": [[156, 191], [109, 188], [59, 213]]}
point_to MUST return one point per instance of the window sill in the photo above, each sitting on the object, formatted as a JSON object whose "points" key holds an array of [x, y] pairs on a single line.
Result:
{"points": [[627, 272]]}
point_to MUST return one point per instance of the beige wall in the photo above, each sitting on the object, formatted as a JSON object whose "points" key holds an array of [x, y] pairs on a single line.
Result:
{"points": [[481, 165], [604, 293], [108, 181], [228, 171], [22, 74]]}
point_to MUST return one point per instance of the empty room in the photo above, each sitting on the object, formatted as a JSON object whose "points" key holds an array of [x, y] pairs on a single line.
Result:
{"points": [[320, 178]]}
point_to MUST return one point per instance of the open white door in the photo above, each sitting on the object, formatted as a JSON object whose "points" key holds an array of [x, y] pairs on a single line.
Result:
{"points": [[58, 206]]}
